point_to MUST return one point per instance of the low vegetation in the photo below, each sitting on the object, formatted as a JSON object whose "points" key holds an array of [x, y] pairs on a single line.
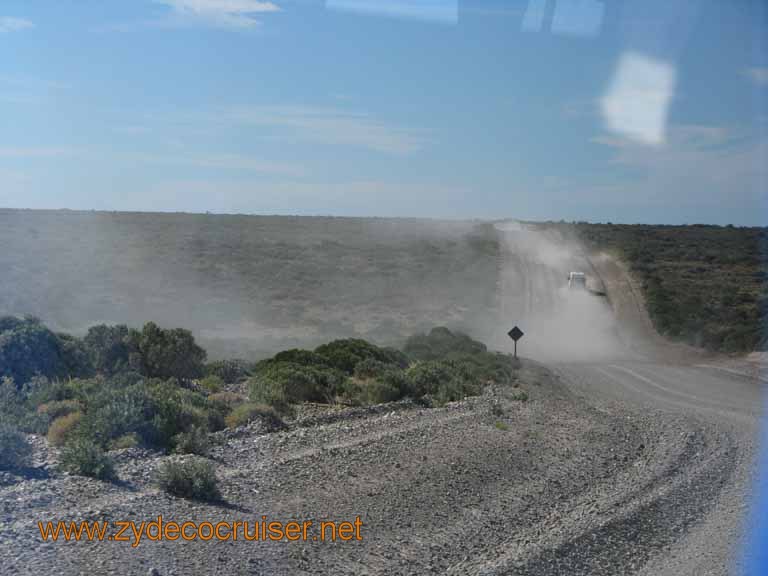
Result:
{"points": [[704, 285], [15, 451], [194, 441], [247, 412], [86, 458], [194, 479], [151, 388]]}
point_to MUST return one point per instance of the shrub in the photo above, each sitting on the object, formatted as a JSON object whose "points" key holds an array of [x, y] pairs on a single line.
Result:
{"points": [[503, 426], [125, 441], [194, 441], [370, 368], [230, 371], [454, 389], [443, 381], [63, 427], [86, 458], [27, 349], [303, 357], [58, 408], [194, 479], [397, 379], [346, 353], [229, 399], [426, 377], [154, 410], [167, 353], [15, 451], [11, 401], [280, 384], [212, 384], [245, 413], [370, 392], [389, 385], [441, 344], [108, 348], [174, 410], [74, 356], [114, 412], [219, 406]]}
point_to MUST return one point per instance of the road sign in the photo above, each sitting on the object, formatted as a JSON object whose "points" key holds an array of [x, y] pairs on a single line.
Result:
{"points": [[515, 334]]}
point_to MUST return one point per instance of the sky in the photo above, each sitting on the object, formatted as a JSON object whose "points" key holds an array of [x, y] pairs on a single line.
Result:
{"points": [[615, 111]]}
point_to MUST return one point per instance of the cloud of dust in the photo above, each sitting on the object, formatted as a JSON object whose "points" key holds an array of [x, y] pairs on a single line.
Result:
{"points": [[560, 324]]}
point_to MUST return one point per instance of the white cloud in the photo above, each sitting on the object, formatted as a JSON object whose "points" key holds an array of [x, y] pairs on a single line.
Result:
{"points": [[332, 126], [758, 76], [11, 24], [227, 13], [638, 98]]}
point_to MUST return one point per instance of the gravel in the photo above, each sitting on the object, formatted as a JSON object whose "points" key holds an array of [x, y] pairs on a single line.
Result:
{"points": [[567, 487]]}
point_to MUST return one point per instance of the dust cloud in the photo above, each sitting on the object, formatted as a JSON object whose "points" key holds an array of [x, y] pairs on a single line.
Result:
{"points": [[560, 325]]}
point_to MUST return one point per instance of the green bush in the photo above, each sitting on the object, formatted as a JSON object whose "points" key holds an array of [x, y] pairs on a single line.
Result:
{"points": [[58, 408], [114, 412], [229, 399], [109, 348], [369, 392], [74, 356], [129, 440], [230, 371], [86, 458], [167, 353], [456, 388], [27, 349], [302, 357], [212, 384], [345, 354], [426, 377], [15, 451], [441, 344], [280, 384], [370, 368], [155, 410], [12, 407], [443, 381], [245, 413], [194, 479], [194, 441], [174, 410], [383, 383]]}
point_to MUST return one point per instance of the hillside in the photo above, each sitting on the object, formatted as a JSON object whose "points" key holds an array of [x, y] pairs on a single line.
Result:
{"points": [[248, 285], [704, 285]]}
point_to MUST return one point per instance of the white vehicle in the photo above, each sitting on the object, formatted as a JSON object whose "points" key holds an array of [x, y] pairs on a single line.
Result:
{"points": [[577, 281]]}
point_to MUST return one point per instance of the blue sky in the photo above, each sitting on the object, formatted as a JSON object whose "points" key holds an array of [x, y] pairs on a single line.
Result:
{"points": [[575, 109]]}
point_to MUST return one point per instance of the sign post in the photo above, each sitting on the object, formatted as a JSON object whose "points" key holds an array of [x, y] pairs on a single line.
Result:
{"points": [[515, 334]]}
